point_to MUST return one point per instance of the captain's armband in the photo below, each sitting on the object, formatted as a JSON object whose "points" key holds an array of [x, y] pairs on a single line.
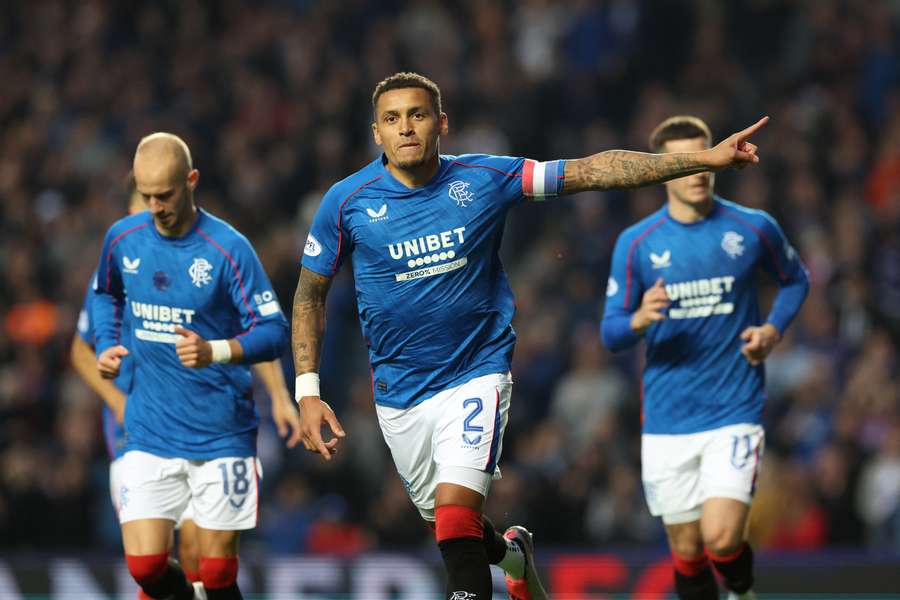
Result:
{"points": [[541, 180]]}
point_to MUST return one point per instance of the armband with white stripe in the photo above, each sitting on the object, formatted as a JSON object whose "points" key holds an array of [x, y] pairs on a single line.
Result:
{"points": [[542, 180]]}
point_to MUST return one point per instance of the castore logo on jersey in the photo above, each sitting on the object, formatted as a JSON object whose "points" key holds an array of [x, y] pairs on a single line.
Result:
{"points": [[379, 215], [131, 266], [661, 261]]}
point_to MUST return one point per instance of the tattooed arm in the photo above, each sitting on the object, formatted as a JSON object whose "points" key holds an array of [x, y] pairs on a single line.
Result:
{"points": [[621, 169], [307, 331], [308, 320]]}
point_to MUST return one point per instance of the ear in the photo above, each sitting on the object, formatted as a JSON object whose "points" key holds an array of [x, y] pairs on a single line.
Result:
{"points": [[445, 124], [375, 134], [193, 178]]}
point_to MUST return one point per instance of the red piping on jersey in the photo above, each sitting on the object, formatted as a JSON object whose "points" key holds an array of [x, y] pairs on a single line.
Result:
{"points": [[237, 273], [341, 216], [118, 318], [759, 232], [631, 248]]}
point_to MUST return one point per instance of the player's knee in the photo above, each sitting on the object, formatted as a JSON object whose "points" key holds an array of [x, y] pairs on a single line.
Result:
{"points": [[146, 569], [453, 521], [722, 541], [217, 573], [188, 551], [685, 540]]}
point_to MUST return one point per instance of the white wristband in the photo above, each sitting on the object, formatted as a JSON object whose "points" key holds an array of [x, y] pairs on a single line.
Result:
{"points": [[221, 351], [307, 384]]}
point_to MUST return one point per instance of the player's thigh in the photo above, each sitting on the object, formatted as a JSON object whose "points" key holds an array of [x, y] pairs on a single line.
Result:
{"points": [[151, 487], [147, 536], [468, 439], [731, 460], [670, 472], [408, 434], [225, 493]]}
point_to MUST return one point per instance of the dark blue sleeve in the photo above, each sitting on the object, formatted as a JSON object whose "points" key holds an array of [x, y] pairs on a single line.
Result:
{"points": [[265, 335], [623, 297], [109, 297], [784, 264]]}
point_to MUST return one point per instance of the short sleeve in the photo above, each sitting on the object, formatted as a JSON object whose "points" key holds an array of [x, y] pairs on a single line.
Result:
{"points": [[328, 243]]}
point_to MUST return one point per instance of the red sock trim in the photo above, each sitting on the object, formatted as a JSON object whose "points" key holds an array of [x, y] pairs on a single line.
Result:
{"points": [[454, 521], [192, 576], [728, 557], [218, 573], [690, 567], [147, 568]]}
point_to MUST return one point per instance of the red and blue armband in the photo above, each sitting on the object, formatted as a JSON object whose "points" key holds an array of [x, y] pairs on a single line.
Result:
{"points": [[542, 180]]}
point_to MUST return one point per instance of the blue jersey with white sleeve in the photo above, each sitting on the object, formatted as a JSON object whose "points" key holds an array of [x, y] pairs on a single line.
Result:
{"points": [[434, 302], [696, 378], [113, 431], [209, 281]]}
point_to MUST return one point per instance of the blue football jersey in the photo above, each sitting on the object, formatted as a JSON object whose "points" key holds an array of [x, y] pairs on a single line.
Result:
{"points": [[113, 432], [209, 281], [434, 302], [696, 378]]}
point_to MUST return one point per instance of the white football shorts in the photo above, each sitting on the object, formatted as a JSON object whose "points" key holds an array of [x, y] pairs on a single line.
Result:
{"points": [[682, 471], [220, 494], [455, 436]]}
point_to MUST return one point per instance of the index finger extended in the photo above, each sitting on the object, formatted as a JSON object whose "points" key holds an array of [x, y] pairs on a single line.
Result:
{"points": [[753, 128]]}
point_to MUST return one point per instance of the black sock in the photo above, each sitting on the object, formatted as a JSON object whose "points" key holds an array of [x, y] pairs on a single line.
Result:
{"points": [[494, 544], [738, 572], [468, 569], [701, 586], [173, 584], [228, 593]]}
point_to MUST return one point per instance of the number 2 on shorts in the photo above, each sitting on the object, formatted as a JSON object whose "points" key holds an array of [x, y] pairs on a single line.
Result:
{"points": [[467, 423]]}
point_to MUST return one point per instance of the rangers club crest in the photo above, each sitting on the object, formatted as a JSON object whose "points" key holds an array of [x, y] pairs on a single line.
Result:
{"points": [[199, 272], [459, 191], [733, 244]]}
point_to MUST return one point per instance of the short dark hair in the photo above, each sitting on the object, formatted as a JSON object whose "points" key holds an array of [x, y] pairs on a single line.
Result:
{"points": [[408, 80], [680, 127]]}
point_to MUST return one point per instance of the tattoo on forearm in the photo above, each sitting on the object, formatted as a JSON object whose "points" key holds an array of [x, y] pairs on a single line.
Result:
{"points": [[308, 322], [622, 169]]}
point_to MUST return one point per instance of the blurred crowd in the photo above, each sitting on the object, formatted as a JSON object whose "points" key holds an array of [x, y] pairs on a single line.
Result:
{"points": [[274, 100]]}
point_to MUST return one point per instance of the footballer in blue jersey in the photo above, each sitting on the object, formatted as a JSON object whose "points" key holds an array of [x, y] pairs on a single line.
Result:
{"points": [[200, 308], [424, 232], [684, 280], [114, 394]]}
